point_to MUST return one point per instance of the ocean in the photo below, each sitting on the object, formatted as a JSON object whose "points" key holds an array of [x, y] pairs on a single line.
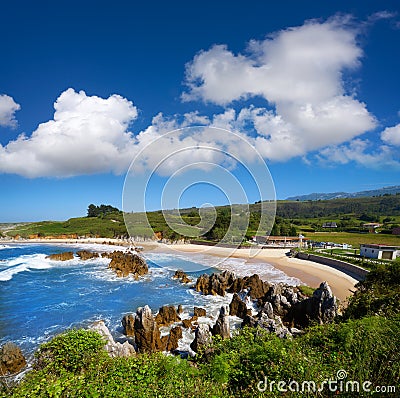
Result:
{"points": [[40, 298]]}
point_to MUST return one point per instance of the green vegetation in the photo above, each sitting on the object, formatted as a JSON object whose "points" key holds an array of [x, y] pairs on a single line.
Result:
{"points": [[378, 294], [102, 210], [238, 223], [364, 343], [108, 226]]}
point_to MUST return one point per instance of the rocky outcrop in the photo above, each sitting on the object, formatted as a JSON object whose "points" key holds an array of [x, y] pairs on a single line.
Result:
{"points": [[12, 360], [182, 276], [215, 284], [180, 309], [147, 334], [255, 286], [198, 311], [221, 327], [127, 263], [128, 324], [114, 349], [167, 315], [238, 307], [322, 307], [61, 256], [171, 341], [218, 284], [87, 255], [202, 339]]}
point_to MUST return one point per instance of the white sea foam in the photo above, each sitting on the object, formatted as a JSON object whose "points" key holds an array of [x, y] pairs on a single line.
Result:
{"points": [[28, 262]]}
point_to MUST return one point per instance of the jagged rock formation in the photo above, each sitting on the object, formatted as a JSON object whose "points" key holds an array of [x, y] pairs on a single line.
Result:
{"points": [[127, 263], [215, 284], [167, 315], [221, 327], [179, 274], [218, 284], [238, 307], [147, 334], [198, 311], [12, 359], [61, 256], [87, 255], [128, 323], [322, 307], [202, 337], [114, 349], [255, 286], [170, 342], [180, 309], [283, 309]]}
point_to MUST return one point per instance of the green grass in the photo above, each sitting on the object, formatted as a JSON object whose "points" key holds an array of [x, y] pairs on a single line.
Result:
{"points": [[107, 227], [353, 238]]}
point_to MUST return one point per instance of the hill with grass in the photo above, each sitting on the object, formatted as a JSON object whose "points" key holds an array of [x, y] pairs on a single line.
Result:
{"points": [[292, 218]]}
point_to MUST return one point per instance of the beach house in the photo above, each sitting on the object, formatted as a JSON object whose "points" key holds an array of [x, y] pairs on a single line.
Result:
{"points": [[379, 251]]}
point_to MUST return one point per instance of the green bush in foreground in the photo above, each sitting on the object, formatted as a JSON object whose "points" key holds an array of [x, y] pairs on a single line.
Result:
{"points": [[378, 294], [367, 349]]}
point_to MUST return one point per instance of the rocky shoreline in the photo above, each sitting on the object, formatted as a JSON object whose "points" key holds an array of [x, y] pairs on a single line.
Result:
{"points": [[276, 308]]}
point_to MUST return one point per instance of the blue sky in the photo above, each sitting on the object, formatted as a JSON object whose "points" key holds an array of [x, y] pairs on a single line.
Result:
{"points": [[84, 86]]}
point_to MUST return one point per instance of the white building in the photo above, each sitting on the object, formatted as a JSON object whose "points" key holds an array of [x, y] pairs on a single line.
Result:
{"points": [[380, 252]]}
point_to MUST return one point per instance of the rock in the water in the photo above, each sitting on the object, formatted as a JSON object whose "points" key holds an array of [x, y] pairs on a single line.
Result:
{"points": [[198, 311], [173, 338], [182, 276], [202, 337], [167, 315], [215, 284], [221, 327], [128, 323], [12, 360], [86, 255], [127, 263], [147, 334], [114, 349], [180, 309], [61, 256], [238, 307], [186, 323]]}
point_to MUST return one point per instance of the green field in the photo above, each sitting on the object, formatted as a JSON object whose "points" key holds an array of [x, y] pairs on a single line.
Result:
{"points": [[108, 226], [354, 238]]}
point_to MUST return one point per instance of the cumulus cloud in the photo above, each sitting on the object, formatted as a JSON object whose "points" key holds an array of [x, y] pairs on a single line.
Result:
{"points": [[299, 72], [362, 152], [8, 107], [391, 135], [87, 135]]}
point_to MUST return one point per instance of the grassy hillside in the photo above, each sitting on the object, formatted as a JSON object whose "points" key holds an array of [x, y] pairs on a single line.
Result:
{"points": [[292, 218], [108, 226]]}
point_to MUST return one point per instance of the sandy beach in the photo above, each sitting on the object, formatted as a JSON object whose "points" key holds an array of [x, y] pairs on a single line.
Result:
{"points": [[308, 272]]}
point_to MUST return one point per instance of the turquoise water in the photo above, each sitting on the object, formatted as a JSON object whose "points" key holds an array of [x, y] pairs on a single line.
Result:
{"points": [[40, 298]]}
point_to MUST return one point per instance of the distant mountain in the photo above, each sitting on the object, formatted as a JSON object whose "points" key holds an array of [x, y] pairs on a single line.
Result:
{"points": [[341, 195]]}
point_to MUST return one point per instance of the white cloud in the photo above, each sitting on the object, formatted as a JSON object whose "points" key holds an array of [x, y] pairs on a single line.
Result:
{"points": [[362, 152], [302, 64], [8, 107], [87, 135], [298, 71], [391, 135]]}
